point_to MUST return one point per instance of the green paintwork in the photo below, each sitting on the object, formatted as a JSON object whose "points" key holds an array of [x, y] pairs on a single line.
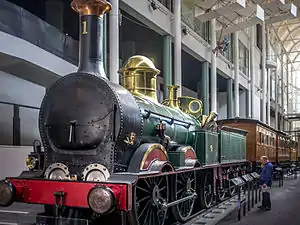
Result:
{"points": [[205, 153], [176, 131], [232, 146], [226, 146], [177, 158]]}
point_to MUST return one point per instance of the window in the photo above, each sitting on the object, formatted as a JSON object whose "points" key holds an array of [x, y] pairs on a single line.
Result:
{"points": [[228, 52], [243, 58], [167, 3], [259, 36]]}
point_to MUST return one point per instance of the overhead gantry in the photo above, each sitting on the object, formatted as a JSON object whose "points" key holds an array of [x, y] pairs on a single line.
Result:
{"points": [[229, 17]]}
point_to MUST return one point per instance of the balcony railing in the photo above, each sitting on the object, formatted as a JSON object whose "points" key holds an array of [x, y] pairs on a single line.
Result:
{"points": [[188, 17], [18, 22], [167, 3], [271, 57], [19, 124], [271, 61]]}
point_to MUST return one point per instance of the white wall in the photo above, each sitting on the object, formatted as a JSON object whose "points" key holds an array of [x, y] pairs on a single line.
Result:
{"points": [[13, 160], [24, 50], [222, 105], [18, 91], [242, 106]]}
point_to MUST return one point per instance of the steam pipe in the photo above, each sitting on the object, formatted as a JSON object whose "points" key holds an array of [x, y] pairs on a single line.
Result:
{"points": [[91, 35]]}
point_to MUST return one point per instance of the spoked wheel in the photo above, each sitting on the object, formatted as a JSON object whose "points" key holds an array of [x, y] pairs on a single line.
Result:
{"points": [[230, 188], [221, 190], [151, 196], [184, 186], [206, 190]]}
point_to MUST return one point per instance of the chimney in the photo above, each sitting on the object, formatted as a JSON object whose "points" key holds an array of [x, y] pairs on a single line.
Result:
{"points": [[91, 14]]}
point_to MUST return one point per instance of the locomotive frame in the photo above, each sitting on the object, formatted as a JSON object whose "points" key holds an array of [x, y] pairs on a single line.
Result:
{"points": [[114, 153]]}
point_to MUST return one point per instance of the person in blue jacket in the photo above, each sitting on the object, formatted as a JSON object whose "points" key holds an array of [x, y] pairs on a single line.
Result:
{"points": [[266, 182]]}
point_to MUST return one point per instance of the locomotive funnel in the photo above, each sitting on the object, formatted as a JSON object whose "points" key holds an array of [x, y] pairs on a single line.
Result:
{"points": [[139, 77], [91, 14]]}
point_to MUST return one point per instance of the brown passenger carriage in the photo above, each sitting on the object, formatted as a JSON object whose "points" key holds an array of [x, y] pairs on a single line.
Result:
{"points": [[264, 140]]}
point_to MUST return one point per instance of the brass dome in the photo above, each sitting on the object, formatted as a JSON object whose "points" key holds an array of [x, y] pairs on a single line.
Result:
{"points": [[139, 77], [139, 62]]}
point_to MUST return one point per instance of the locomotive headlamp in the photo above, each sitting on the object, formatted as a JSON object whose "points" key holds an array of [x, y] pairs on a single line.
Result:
{"points": [[7, 192], [101, 199], [31, 162]]}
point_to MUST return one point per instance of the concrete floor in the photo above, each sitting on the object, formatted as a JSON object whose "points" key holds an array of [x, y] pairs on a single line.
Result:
{"points": [[285, 208]]}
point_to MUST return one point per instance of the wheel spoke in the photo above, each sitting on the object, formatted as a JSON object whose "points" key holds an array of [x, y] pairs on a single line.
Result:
{"points": [[147, 205], [148, 185], [148, 208], [144, 190], [184, 186], [143, 199], [161, 179]]}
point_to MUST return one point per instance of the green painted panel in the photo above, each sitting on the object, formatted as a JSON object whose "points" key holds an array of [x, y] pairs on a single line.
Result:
{"points": [[177, 131], [224, 146], [206, 147], [177, 158], [232, 147], [238, 146], [243, 148]]}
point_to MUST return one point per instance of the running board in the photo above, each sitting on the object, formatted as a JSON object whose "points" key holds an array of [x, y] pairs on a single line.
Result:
{"points": [[217, 213]]}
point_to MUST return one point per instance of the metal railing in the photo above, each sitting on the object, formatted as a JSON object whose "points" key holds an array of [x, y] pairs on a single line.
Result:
{"points": [[167, 3], [271, 57], [18, 22], [14, 124], [188, 17]]}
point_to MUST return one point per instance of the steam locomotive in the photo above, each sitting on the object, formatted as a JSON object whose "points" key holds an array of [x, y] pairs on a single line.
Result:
{"points": [[113, 152]]}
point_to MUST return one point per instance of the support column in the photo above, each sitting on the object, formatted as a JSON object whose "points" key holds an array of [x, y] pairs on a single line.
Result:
{"points": [[104, 27], [282, 94], [276, 100], [236, 75], [252, 72], [268, 97], [114, 42], [268, 115], [213, 67], [167, 61], [205, 87], [248, 105], [287, 87], [263, 73], [54, 10], [229, 98], [177, 45], [16, 126]]}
